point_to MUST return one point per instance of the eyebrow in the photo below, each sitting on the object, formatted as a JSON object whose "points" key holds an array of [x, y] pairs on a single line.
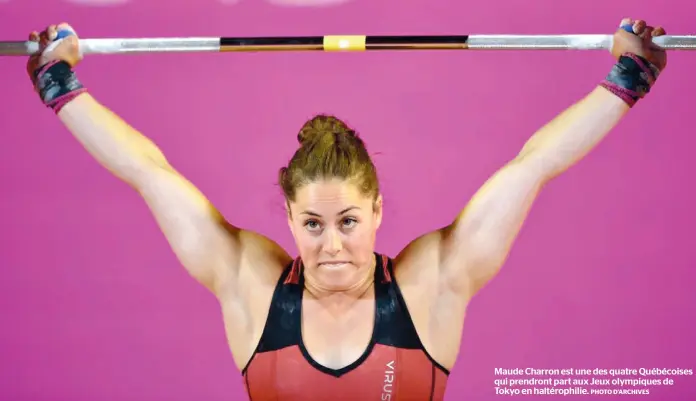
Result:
{"points": [[344, 211]]}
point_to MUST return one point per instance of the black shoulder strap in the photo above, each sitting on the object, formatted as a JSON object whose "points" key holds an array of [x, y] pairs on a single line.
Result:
{"points": [[283, 315], [394, 325]]}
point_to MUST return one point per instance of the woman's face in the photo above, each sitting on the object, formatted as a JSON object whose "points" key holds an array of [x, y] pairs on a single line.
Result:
{"points": [[335, 226]]}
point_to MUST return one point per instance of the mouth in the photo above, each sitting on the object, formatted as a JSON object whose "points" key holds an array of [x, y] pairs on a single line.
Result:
{"points": [[334, 264]]}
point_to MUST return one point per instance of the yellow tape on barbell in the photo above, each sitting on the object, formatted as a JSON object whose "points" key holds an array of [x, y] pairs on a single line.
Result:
{"points": [[340, 43]]}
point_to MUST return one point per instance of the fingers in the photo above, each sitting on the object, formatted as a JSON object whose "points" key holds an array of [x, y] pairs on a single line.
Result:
{"points": [[636, 27], [33, 61], [641, 28], [32, 65], [50, 34], [64, 26], [659, 31], [44, 38], [645, 32], [47, 35]]}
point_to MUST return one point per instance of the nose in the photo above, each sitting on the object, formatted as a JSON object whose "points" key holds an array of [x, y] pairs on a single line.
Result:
{"points": [[332, 243]]}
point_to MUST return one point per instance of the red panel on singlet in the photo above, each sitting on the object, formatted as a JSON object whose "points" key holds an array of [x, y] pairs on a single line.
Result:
{"points": [[394, 367], [388, 374]]}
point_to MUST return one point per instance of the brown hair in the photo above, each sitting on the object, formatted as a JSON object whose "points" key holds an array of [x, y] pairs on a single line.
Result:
{"points": [[329, 149]]}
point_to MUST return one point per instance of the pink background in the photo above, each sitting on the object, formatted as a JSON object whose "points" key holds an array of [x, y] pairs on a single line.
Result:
{"points": [[94, 306]]}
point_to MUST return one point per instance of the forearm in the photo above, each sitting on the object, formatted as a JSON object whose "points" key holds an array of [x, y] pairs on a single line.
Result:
{"points": [[480, 238], [572, 134], [111, 141]]}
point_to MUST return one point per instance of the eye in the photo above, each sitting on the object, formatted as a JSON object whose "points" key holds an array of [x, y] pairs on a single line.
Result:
{"points": [[312, 225], [349, 222]]}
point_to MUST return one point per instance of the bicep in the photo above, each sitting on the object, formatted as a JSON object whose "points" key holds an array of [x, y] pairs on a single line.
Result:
{"points": [[476, 244], [203, 241]]}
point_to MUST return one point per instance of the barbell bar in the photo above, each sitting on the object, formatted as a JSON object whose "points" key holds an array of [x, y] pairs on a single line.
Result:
{"points": [[346, 43]]}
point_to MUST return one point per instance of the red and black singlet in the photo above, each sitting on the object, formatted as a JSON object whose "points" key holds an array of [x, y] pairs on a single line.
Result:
{"points": [[393, 367]]}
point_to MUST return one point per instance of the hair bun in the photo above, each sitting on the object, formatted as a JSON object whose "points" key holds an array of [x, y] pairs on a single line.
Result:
{"points": [[322, 125]]}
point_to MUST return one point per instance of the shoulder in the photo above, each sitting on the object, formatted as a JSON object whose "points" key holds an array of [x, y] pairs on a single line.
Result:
{"points": [[419, 261], [261, 263]]}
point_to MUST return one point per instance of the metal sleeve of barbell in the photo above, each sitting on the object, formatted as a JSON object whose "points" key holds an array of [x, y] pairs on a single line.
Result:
{"points": [[348, 43]]}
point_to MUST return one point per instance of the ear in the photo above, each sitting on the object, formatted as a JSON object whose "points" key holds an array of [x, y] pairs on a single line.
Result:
{"points": [[378, 207]]}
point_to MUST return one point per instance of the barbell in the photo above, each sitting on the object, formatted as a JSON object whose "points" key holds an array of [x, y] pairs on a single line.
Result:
{"points": [[347, 43]]}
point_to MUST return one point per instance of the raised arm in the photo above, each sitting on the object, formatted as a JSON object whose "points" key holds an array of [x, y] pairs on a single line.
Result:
{"points": [[206, 245], [212, 250], [475, 245]]}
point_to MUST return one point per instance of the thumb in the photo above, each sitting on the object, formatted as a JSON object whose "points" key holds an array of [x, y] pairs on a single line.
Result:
{"points": [[65, 46]]}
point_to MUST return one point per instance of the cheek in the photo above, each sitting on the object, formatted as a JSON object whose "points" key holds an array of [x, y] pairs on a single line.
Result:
{"points": [[361, 238], [305, 240]]}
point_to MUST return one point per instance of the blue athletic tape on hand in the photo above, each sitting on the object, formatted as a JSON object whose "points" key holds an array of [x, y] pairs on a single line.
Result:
{"points": [[628, 28], [64, 33]]}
